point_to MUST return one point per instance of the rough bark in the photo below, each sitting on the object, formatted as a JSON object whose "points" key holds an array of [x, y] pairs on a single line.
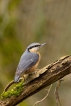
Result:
{"points": [[42, 78]]}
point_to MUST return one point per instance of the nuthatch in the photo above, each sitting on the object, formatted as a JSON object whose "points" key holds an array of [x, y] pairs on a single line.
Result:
{"points": [[28, 61]]}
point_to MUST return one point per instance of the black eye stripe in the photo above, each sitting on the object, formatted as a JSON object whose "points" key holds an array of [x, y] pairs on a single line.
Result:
{"points": [[34, 46]]}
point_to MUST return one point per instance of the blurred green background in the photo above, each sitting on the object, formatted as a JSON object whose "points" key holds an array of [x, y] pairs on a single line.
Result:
{"points": [[25, 21]]}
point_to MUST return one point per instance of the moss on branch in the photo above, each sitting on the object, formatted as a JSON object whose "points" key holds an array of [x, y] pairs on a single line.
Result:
{"points": [[13, 92]]}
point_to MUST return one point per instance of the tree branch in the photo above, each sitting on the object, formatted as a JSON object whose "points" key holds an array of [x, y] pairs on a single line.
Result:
{"points": [[42, 78]]}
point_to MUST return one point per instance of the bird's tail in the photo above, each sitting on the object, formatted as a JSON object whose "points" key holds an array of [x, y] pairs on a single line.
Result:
{"points": [[16, 79]]}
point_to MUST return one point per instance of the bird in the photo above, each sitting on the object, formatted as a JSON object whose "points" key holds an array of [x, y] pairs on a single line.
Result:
{"points": [[28, 61]]}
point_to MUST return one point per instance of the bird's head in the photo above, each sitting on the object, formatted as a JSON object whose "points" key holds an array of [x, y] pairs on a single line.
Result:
{"points": [[34, 47]]}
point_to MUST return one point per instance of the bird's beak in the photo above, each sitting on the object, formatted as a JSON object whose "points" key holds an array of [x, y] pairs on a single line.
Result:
{"points": [[43, 44]]}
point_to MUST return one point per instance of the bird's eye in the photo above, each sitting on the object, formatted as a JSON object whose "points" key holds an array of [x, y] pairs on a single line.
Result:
{"points": [[35, 46]]}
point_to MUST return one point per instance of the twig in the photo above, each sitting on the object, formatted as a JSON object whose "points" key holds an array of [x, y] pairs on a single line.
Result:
{"points": [[44, 97], [56, 92], [10, 84]]}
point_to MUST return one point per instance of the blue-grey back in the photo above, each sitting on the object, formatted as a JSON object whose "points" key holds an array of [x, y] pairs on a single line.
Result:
{"points": [[27, 60]]}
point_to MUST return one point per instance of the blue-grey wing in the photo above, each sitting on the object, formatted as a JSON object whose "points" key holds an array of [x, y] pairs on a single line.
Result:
{"points": [[27, 61]]}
